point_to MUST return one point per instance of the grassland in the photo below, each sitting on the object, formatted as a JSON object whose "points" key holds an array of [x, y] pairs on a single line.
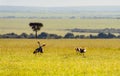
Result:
{"points": [[59, 58], [55, 25]]}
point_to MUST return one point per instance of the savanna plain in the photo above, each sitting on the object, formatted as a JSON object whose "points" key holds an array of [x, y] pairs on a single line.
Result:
{"points": [[56, 26], [60, 58]]}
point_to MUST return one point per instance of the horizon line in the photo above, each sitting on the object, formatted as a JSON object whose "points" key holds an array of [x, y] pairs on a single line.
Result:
{"points": [[65, 6]]}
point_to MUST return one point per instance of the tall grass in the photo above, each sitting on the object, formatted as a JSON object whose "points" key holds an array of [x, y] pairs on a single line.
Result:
{"points": [[59, 58]]}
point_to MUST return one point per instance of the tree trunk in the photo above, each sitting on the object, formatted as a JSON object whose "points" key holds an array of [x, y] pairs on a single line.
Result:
{"points": [[36, 34]]}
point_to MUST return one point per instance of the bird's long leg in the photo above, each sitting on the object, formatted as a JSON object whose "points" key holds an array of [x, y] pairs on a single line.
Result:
{"points": [[84, 55]]}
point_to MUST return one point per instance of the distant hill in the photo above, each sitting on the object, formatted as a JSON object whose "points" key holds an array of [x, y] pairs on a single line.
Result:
{"points": [[91, 12], [60, 9]]}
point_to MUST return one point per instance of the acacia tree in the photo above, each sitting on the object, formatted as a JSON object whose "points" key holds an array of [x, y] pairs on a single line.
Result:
{"points": [[36, 27]]}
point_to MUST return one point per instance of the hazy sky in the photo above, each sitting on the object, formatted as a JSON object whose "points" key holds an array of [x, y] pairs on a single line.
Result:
{"points": [[52, 3]]}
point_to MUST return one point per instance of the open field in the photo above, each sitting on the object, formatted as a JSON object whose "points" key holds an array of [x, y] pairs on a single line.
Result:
{"points": [[59, 57], [56, 26]]}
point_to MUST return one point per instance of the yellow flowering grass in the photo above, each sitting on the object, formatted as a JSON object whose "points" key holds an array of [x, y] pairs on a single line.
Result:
{"points": [[60, 58]]}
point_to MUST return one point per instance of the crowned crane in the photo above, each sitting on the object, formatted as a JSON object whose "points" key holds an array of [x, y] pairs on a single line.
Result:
{"points": [[39, 49], [81, 50]]}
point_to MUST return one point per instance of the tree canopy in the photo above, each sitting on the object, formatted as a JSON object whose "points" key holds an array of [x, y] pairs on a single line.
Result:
{"points": [[36, 27]]}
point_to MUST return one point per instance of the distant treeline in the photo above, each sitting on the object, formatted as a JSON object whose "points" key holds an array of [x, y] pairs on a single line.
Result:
{"points": [[60, 17], [45, 35], [106, 30]]}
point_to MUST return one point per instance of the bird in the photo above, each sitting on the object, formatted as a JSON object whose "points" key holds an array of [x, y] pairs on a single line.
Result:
{"points": [[39, 49], [81, 50]]}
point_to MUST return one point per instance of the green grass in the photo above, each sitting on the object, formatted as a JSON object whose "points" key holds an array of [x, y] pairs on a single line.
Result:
{"points": [[53, 25], [59, 57]]}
